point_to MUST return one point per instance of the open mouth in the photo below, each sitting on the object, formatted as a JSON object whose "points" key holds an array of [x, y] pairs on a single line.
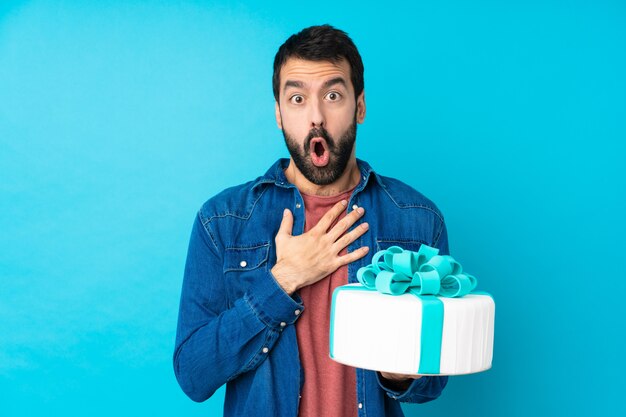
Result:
{"points": [[319, 152]]}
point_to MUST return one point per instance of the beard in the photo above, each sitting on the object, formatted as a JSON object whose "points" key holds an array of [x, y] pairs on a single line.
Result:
{"points": [[339, 150]]}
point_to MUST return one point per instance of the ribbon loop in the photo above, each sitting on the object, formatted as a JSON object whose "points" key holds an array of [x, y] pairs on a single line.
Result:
{"points": [[392, 283], [405, 263], [424, 272], [367, 277], [426, 282]]}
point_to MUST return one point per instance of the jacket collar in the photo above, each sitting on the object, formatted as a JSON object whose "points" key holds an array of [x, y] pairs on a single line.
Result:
{"points": [[276, 174]]}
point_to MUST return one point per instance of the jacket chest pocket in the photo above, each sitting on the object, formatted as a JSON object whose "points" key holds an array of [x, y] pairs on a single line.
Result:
{"points": [[245, 267], [246, 258], [407, 244]]}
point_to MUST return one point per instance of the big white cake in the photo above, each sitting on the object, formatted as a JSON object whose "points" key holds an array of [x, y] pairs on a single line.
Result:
{"points": [[383, 332]]}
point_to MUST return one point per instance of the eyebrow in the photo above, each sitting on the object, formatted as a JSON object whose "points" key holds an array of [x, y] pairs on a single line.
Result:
{"points": [[327, 84], [292, 83], [334, 81]]}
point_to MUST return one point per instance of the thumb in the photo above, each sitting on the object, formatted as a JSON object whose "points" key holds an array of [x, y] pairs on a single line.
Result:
{"points": [[286, 224]]}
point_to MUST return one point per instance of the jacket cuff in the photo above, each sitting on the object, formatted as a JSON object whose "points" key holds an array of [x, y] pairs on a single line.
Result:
{"points": [[416, 387], [273, 306]]}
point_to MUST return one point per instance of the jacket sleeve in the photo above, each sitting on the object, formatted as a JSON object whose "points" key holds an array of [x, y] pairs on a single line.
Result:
{"points": [[426, 388], [218, 339]]}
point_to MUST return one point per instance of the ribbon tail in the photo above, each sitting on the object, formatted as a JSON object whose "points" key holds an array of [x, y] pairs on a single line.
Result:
{"points": [[431, 334]]}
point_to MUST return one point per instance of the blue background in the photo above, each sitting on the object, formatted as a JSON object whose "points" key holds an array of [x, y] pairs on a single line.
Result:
{"points": [[118, 120]]}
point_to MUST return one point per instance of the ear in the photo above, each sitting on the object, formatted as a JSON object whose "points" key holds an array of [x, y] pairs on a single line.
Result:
{"points": [[360, 107], [279, 119]]}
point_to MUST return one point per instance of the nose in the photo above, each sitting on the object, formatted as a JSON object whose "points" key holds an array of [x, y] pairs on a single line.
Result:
{"points": [[316, 114]]}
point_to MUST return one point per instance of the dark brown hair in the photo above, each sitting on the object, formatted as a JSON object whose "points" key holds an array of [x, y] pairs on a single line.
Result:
{"points": [[320, 43]]}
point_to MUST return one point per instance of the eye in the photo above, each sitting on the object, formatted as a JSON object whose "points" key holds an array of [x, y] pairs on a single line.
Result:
{"points": [[333, 96], [296, 99]]}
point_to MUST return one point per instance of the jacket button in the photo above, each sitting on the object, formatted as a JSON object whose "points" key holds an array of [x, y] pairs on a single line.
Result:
{"points": [[360, 405], [283, 324], [297, 312], [298, 205], [243, 264], [265, 350]]}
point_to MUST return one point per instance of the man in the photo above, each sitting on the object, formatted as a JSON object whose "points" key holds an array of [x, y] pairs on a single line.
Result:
{"points": [[255, 303]]}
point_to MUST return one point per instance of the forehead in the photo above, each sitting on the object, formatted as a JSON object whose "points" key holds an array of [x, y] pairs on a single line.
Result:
{"points": [[314, 72]]}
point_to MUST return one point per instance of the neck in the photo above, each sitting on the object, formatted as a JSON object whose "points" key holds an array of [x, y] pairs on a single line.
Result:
{"points": [[348, 180]]}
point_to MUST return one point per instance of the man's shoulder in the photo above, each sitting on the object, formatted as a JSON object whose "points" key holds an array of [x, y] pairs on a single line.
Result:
{"points": [[406, 196], [239, 200], [236, 200]]}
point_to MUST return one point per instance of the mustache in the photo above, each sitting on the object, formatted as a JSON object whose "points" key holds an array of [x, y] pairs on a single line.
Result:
{"points": [[318, 132]]}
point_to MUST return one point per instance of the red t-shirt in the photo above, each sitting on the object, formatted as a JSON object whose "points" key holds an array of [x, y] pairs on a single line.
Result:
{"points": [[329, 387]]}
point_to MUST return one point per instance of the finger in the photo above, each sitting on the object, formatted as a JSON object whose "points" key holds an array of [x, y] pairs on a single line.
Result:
{"points": [[350, 237], [344, 224], [353, 256], [286, 224], [399, 377], [329, 217], [386, 375]]}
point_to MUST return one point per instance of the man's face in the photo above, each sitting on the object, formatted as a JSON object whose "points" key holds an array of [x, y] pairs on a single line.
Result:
{"points": [[318, 114]]}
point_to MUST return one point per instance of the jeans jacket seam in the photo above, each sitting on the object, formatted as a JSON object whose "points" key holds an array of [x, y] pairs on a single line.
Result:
{"points": [[255, 359], [436, 240], [421, 206], [207, 220]]}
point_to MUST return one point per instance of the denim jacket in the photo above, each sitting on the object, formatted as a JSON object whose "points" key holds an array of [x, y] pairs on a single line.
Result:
{"points": [[236, 325]]}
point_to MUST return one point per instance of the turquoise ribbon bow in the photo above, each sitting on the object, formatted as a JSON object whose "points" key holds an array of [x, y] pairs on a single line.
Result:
{"points": [[425, 274]]}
